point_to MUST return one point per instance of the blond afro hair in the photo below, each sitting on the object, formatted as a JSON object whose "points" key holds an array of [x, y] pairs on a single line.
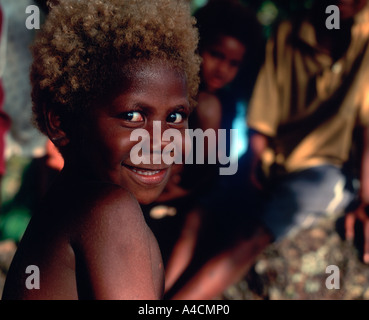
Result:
{"points": [[83, 42]]}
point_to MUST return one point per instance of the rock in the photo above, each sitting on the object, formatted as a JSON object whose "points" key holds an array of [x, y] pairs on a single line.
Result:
{"points": [[296, 268]]}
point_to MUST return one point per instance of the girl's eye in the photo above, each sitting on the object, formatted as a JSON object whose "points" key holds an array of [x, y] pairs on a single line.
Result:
{"points": [[216, 54], [133, 116], [175, 117]]}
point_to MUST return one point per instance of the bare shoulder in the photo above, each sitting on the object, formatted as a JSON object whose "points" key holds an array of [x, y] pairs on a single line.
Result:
{"points": [[107, 208], [90, 241], [116, 253]]}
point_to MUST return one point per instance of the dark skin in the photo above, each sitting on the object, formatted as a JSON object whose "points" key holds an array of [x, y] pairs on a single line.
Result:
{"points": [[63, 243], [221, 63], [231, 265], [89, 239]]}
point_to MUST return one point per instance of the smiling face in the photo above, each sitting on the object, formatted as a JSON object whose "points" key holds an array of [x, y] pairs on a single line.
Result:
{"points": [[154, 92], [221, 62]]}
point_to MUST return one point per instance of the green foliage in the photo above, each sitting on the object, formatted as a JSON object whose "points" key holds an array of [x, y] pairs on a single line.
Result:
{"points": [[196, 4], [14, 223]]}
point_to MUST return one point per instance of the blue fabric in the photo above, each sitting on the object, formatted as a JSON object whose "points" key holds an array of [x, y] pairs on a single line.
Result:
{"points": [[299, 199]]}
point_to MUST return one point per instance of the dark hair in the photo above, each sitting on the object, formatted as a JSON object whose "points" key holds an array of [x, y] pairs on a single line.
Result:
{"points": [[227, 17], [81, 44], [233, 18]]}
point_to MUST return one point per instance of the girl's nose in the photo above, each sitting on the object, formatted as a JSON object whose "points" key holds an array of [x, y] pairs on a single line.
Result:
{"points": [[156, 135], [223, 68]]}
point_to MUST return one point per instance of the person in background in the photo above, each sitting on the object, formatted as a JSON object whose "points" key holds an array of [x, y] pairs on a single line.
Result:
{"points": [[231, 47], [309, 100]]}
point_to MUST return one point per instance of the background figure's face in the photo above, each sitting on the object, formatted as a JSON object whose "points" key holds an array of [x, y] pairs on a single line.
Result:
{"points": [[221, 62], [154, 92]]}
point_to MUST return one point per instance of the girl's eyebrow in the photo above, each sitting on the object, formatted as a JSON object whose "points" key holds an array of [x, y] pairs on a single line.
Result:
{"points": [[180, 104], [185, 107]]}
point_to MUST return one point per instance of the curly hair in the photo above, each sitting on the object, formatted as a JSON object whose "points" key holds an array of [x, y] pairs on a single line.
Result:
{"points": [[83, 43]]}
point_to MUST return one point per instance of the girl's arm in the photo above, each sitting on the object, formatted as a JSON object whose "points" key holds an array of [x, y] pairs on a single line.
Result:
{"points": [[117, 257]]}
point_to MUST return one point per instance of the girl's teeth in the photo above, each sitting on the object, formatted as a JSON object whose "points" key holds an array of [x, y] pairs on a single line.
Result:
{"points": [[145, 172]]}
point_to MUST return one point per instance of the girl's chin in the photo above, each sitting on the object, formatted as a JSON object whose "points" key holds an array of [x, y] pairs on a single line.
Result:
{"points": [[147, 198]]}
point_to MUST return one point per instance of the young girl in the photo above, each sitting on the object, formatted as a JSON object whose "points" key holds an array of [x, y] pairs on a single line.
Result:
{"points": [[101, 70]]}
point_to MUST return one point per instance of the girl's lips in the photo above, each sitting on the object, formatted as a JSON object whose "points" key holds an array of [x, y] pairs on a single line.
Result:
{"points": [[148, 176]]}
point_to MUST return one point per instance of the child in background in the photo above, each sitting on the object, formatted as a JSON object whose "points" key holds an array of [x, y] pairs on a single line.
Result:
{"points": [[101, 70], [310, 97], [231, 57], [230, 39], [230, 46]]}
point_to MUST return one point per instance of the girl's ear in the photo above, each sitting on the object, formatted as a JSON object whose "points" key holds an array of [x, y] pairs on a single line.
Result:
{"points": [[53, 126]]}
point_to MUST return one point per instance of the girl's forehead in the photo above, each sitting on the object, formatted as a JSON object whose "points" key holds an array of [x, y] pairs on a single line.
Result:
{"points": [[155, 68], [145, 73], [227, 40], [147, 81]]}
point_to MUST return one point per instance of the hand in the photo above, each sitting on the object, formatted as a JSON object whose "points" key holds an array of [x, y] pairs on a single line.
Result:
{"points": [[361, 215]]}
